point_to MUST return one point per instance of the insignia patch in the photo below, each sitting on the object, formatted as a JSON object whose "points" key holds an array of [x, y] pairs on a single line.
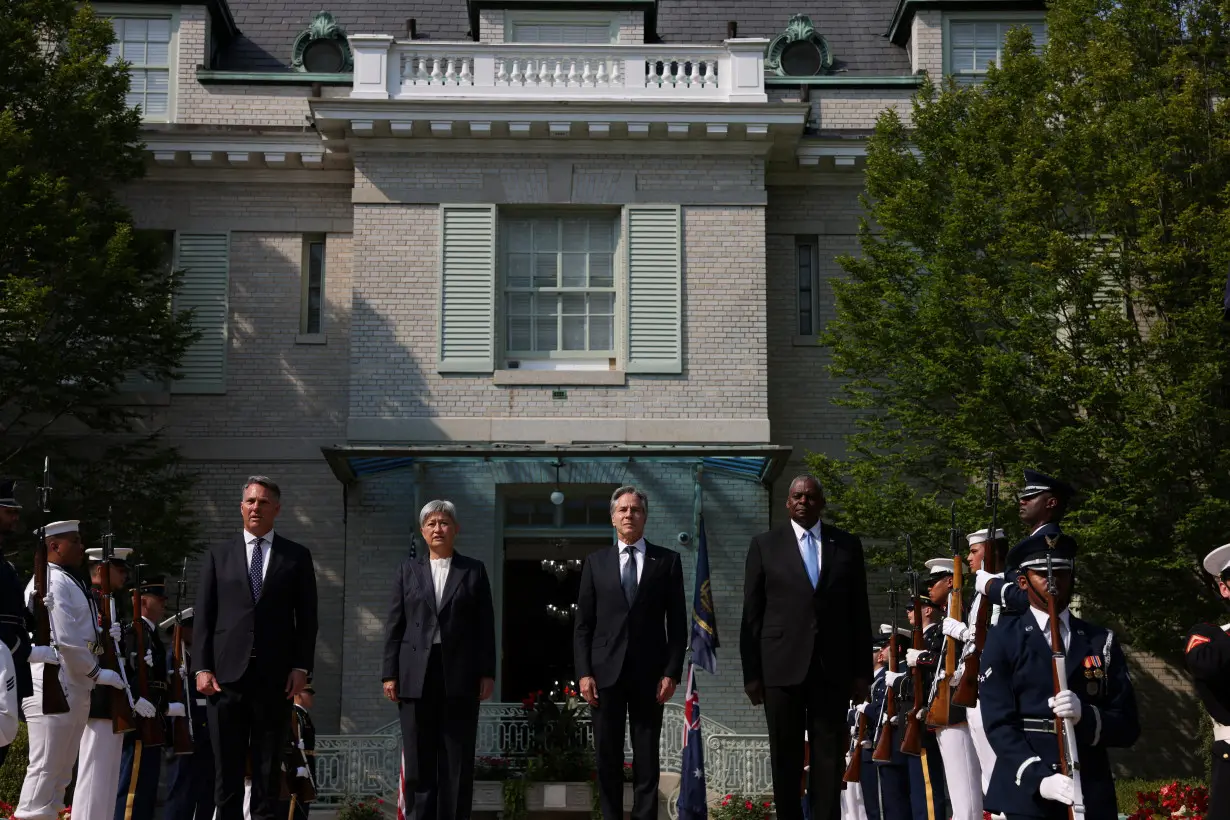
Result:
{"points": [[1196, 640]]}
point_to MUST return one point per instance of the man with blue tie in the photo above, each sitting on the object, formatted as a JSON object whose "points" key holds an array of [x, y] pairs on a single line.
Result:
{"points": [[800, 576]]}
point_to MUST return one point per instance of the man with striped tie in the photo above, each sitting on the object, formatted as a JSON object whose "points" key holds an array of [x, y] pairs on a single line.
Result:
{"points": [[256, 625]]}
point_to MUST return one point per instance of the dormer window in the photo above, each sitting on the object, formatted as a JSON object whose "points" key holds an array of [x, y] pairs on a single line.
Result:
{"points": [[574, 28]]}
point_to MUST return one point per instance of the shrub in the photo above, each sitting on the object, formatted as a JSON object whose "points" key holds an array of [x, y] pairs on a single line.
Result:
{"points": [[492, 768], [13, 772], [1170, 799], [741, 807], [355, 809]]}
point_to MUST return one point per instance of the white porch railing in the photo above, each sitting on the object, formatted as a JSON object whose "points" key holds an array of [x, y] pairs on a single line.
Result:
{"points": [[367, 766], [385, 68]]}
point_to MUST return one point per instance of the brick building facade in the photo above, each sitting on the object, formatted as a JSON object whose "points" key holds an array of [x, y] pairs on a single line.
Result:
{"points": [[590, 245]]}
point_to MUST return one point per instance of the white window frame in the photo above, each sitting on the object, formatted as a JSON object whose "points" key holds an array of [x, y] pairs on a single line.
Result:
{"points": [[110, 11], [1008, 19], [512, 19], [801, 242], [309, 240], [562, 359]]}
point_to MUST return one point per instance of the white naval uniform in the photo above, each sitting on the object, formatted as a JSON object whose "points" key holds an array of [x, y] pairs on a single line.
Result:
{"points": [[54, 739], [98, 765], [985, 755], [8, 696]]}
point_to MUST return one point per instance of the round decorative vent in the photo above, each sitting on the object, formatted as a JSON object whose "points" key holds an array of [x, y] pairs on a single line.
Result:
{"points": [[324, 57], [799, 51], [322, 48]]}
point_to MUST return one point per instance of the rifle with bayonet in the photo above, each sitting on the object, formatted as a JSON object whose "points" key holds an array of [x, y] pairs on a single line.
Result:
{"points": [[966, 693], [940, 713], [911, 744], [883, 752], [181, 727], [119, 701], [1065, 729], [55, 702], [152, 730], [854, 769]]}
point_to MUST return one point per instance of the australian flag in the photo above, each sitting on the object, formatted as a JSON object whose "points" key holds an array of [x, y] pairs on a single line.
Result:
{"points": [[704, 621], [693, 802]]}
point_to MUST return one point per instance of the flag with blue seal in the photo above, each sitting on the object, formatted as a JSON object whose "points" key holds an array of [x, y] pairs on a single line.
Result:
{"points": [[693, 796]]}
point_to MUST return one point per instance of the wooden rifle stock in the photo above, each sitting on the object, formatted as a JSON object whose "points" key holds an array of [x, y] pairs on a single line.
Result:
{"points": [[152, 731], [966, 693], [121, 711], [854, 771], [911, 744], [181, 732], [1059, 683], [883, 752], [940, 713], [304, 788], [55, 702]]}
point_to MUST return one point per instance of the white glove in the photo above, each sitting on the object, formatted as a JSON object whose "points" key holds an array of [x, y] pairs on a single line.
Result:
{"points": [[955, 629], [116, 631], [183, 671], [302, 772], [1057, 787], [1066, 705], [861, 708], [982, 578], [892, 677], [867, 744], [940, 674], [49, 600], [149, 658], [895, 720], [44, 654], [912, 656], [109, 677], [143, 707], [176, 710]]}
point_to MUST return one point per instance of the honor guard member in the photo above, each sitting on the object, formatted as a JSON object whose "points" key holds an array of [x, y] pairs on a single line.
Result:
{"points": [[1208, 659], [927, 797], [961, 772], [979, 546], [14, 631], [869, 783], [190, 777], [55, 739], [298, 755], [1019, 705], [1042, 504], [140, 762], [893, 776], [98, 761]]}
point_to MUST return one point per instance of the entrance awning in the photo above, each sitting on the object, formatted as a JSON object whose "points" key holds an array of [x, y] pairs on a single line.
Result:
{"points": [[756, 462]]}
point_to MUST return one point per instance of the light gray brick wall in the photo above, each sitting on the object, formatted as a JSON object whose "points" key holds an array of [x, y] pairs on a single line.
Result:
{"points": [[632, 28], [491, 25], [165, 205], [927, 43], [839, 109], [382, 518]]}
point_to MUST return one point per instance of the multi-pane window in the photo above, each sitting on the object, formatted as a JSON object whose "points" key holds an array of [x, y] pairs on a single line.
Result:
{"points": [[806, 264], [559, 286], [578, 33], [313, 285], [145, 44], [976, 44]]}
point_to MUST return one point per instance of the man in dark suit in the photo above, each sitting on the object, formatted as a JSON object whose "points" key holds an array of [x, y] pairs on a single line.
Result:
{"points": [[439, 662], [806, 628], [256, 602], [628, 645]]}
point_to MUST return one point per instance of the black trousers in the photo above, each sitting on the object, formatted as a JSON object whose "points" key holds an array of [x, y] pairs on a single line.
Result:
{"points": [[249, 716], [633, 701], [820, 710], [1219, 783], [438, 734]]}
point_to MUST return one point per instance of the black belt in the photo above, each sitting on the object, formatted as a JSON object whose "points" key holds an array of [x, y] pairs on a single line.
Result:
{"points": [[16, 620], [1046, 725], [157, 685]]}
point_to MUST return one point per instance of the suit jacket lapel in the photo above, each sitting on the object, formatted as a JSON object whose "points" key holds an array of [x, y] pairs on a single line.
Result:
{"points": [[794, 557], [827, 551], [276, 561], [420, 572], [450, 583]]}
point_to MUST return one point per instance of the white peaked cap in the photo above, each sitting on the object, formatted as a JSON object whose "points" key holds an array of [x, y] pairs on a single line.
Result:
{"points": [[940, 566], [981, 536], [183, 616], [1215, 562], [887, 629], [60, 528], [117, 554]]}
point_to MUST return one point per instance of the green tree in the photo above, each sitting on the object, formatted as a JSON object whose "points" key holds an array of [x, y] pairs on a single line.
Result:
{"points": [[85, 301], [1041, 277]]}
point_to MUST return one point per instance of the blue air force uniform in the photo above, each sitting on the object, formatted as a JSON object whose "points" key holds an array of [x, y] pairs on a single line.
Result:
{"points": [[926, 770], [1004, 591], [1015, 690], [891, 779]]}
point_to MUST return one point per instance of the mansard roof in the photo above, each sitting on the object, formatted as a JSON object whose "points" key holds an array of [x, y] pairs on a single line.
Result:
{"points": [[854, 29]]}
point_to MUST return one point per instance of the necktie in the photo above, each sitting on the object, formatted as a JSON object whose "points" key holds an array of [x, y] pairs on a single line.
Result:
{"points": [[256, 569], [811, 559], [628, 575]]}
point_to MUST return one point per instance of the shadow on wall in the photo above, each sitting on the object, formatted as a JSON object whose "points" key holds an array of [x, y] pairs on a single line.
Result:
{"points": [[1170, 745]]}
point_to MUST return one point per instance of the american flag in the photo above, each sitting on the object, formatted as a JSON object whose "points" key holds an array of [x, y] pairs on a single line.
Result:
{"points": [[401, 792], [693, 799]]}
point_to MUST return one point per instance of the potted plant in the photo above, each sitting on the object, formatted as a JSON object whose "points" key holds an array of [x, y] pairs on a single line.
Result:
{"points": [[560, 761], [490, 776], [355, 809]]}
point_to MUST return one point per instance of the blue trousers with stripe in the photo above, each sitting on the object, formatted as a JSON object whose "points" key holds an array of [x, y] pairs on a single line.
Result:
{"points": [[928, 797], [140, 766]]}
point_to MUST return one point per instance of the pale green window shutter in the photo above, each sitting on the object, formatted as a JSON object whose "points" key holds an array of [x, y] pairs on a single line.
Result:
{"points": [[204, 259], [467, 289], [655, 289]]}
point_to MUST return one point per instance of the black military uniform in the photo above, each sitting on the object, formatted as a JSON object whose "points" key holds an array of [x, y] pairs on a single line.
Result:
{"points": [[293, 758], [889, 780], [1207, 654], [14, 617], [141, 764], [190, 777], [927, 795]]}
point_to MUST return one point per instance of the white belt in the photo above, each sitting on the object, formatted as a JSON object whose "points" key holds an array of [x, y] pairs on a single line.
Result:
{"points": [[1221, 733]]}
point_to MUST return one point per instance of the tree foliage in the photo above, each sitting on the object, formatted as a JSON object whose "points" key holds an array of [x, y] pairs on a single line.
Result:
{"points": [[85, 301], [1041, 277]]}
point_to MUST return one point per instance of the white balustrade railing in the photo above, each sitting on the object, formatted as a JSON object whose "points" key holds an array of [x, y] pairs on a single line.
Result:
{"points": [[367, 766], [405, 70]]}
